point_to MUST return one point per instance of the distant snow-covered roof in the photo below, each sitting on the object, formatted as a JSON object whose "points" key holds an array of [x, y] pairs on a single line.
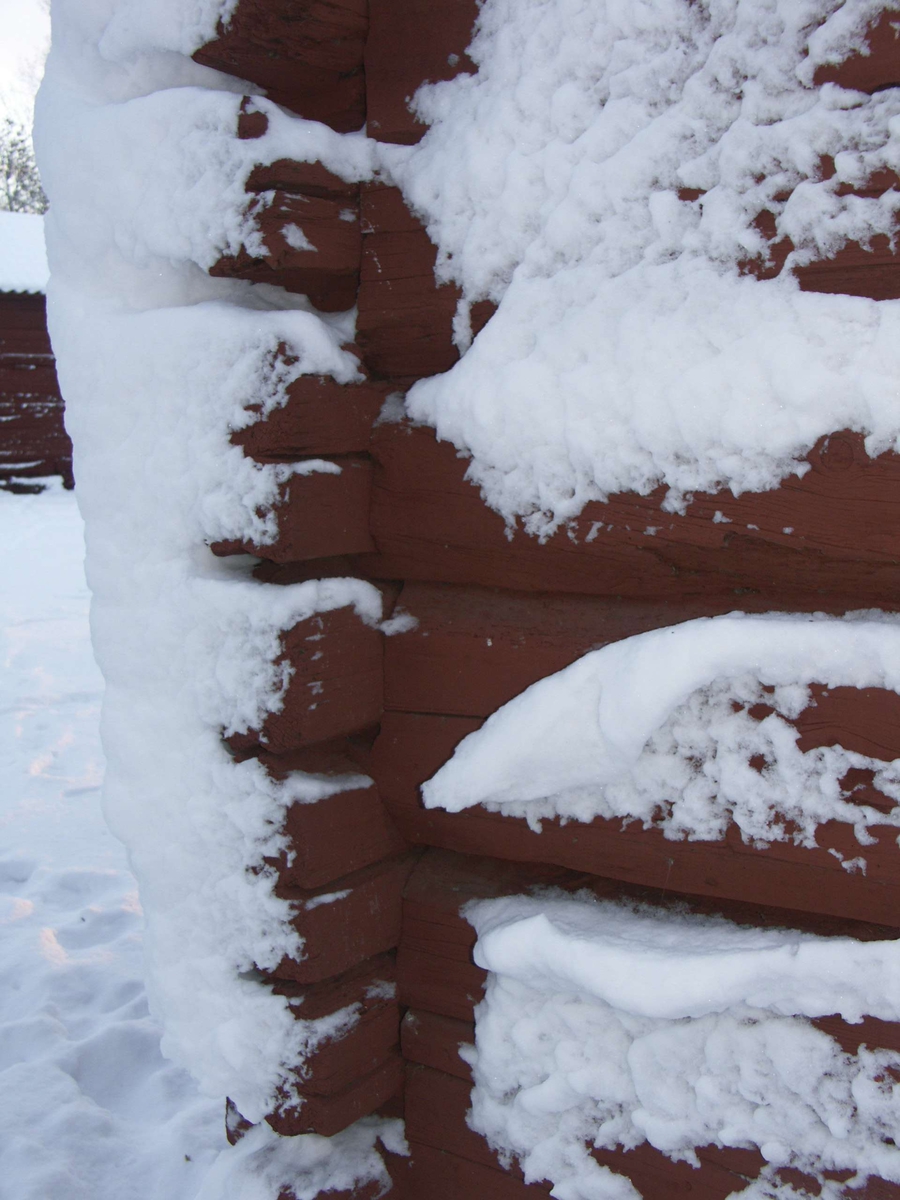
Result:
{"points": [[23, 259]]}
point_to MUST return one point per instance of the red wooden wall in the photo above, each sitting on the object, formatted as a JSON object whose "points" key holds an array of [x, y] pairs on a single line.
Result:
{"points": [[494, 615], [33, 439]]}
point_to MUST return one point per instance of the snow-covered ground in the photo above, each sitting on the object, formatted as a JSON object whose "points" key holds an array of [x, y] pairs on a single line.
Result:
{"points": [[89, 1110]]}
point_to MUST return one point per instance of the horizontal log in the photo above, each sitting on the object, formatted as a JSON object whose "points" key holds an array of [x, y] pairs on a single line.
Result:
{"points": [[313, 247], [320, 417], [433, 1040], [831, 532], [328, 1115], [855, 270], [320, 515], [437, 1103], [411, 42], [20, 311], [405, 320], [411, 748], [298, 178], [307, 57], [473, 648], [29, 375], [336, 682], [336, 836], [871, 72], [339, 1062], [347, 922], [436, 972]]}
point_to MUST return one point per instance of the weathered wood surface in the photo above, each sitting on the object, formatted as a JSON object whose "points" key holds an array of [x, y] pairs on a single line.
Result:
{"points": [[328, 1115], [337, 836], [347, 921], [335, 686], [409, 42], [834, 531], [875, 70], [320, 514], [405, 322], [437, 974], [33, 439], [312, 248], [336, 1063], [319, 418], [436, 1106], [411, 747], [474, 648], [308, 56]]}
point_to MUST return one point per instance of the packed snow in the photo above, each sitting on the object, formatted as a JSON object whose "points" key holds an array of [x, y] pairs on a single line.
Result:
{"points": [[608, 1026], [658, 728], [23, 258], [158, 363], [599, 177]]}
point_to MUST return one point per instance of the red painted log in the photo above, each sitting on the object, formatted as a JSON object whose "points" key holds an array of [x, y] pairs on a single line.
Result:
{"points": [[409, 42], [335, 837], [436, 1117], [874, 71], [475, 648], [320, 417], [337, 1063], [320, 515], [346, 922], [412, 747], [308, 56], [328, 1115], [335, 687], [436, 972], [439, 1175], [313, 248], [405, 321], [433, 1040], [429, 523]]}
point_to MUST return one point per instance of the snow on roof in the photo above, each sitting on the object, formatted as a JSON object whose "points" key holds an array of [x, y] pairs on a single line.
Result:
{"points": [[23, 258]]}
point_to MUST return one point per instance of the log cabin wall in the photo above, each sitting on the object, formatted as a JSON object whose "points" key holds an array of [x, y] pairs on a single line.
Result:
{"points": [[377, 879], [33, 439]]}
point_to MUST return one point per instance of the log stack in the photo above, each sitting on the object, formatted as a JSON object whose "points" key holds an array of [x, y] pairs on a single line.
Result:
{"points": [[378, 881]]}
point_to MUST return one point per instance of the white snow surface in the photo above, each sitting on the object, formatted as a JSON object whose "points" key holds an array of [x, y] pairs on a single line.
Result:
{"points": [[656, 728], [158, 363], [23, 259], [90, 1109], [605, 1025], [627, 351]]}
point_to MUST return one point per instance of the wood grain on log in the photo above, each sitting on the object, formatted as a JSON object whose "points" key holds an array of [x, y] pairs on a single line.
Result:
{"points": [[320, 515], [411, 42], [436, 972], [306, 54], [436, 1117], [405, 320], [412, 747], [346, 922], [336, 836], [473, 648], [328, 1115], [874, 71], [834, 531], [337, 1063], [336, 684], [312, 245], [320, 417]]}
